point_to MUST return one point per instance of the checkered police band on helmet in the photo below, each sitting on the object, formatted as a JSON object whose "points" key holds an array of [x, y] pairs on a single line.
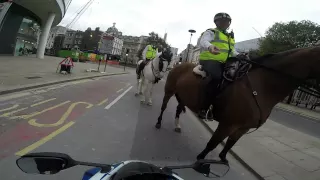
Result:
{"points": [[220, 16]]}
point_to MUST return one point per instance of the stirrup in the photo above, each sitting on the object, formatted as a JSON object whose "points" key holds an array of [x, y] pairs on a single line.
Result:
{"points": [[207, 114]]}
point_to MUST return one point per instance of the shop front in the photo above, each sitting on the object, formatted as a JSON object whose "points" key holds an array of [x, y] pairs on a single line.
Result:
{"points": [[19, 31]]}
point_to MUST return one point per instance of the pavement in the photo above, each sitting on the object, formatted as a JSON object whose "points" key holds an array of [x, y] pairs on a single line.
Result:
{"points": [[24, 72], [99, 120], [277, 152], [304, 124]]}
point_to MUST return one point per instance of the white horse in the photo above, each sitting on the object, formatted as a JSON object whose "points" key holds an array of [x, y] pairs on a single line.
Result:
{"points": [[154, 69]]}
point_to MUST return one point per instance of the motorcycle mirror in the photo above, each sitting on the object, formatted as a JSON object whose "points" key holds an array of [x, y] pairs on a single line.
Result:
{"points": [[45, 163], [211, 168], [215, 170]]}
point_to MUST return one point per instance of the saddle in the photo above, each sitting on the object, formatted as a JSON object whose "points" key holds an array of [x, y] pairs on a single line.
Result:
{"points": [[233, 69]]}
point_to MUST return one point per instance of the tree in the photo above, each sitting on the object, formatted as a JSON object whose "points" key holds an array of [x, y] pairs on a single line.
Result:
{"points": [[291, 35], [154, 39], [286, 36], [254, 53]]}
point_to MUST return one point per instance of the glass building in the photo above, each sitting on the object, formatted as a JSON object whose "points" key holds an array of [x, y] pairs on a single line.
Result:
{"points": [[25, 25]]}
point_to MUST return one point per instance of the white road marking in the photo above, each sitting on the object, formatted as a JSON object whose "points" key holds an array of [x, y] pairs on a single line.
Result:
{"points": [[120, 90], [117, 99], [14, 96]]}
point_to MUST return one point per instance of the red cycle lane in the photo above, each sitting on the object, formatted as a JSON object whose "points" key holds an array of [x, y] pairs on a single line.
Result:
{"points": [[36, 123], [24, 134]]}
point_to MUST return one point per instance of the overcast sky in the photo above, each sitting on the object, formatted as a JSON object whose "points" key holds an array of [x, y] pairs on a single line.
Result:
{"points": [[176, 17]]}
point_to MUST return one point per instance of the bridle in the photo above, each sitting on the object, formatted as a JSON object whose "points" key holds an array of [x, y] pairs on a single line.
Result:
{"points": [[301, 81], [155, 72]]}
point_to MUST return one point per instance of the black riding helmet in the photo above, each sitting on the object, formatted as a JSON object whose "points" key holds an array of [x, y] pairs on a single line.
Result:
{"points": [[220, 16]]}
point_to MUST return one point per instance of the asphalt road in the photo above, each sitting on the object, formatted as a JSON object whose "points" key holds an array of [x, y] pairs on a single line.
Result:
{"points": [[297, 122], [71, 118]]}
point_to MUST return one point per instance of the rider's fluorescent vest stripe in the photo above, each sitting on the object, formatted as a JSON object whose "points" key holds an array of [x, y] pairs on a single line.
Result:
{"points": [[221, 41], [151, 53]]}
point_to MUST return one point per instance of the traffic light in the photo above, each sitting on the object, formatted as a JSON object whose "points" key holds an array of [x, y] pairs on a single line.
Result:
{"points": [[128, 50]]}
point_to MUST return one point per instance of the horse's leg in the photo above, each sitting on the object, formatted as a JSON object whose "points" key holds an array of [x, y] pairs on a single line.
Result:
{"points": [[138, 87], [180, 108], [218, 136], [143, 84], [165, 101], [233, 138], [150, 93]]}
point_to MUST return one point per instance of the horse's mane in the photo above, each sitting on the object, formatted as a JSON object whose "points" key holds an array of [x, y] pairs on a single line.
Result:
{"points": [[270, 58]]}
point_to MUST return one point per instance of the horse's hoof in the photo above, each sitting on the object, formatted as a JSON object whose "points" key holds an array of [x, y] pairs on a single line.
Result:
{"points": [[158, 126], [149, 103], [178, 130], [142, 101]]}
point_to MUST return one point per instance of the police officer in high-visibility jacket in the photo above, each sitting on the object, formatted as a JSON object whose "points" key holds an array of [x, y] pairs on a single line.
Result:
{"points": [[216, 46], [149, 53]]}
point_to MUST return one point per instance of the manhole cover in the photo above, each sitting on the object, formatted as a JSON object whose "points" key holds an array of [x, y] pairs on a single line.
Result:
{"points": [[33, 77]]}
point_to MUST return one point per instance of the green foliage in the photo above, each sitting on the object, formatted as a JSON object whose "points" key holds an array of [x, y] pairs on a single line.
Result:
{"points": [[286, 36], [154, 39]]}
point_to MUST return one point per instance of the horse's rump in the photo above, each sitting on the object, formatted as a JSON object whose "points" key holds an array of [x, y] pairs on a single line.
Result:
{"points": [[181, 80]]}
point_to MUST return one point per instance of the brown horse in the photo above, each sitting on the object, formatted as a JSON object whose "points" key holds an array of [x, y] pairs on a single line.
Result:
{"points": [[247, 102]]}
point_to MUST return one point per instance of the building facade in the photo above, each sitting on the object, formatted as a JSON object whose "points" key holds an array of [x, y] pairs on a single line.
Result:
{"points": [[52, 35], [110, 45], [189, 57], [134, 44], [174, 51], [26, 24], [114, 31], [246, 46], [195, 55], [72, 38]]}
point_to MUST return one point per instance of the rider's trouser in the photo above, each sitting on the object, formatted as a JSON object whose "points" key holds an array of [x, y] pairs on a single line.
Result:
{"points": [[214, 70], [141, 66]]}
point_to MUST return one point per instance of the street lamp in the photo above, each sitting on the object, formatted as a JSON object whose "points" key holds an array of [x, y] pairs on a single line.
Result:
{"points": [[125, 63], [191, 31]]}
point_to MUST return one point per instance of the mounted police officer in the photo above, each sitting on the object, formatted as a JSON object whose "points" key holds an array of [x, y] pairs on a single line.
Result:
{"points": [[149, 53], [216, 46]]}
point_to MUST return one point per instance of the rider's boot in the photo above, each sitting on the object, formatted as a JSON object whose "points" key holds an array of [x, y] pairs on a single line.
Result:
{"points": [[206, 98], [140, 68]]}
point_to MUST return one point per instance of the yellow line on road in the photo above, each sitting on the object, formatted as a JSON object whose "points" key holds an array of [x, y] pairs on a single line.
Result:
{"points": [[42, 102], [62, 119], [44, 140], [102, 102], [37, 113], [12, 107], [12, 112]]}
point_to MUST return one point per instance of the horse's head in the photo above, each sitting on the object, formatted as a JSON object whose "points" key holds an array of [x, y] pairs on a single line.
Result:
{"points": [[165, 59]]}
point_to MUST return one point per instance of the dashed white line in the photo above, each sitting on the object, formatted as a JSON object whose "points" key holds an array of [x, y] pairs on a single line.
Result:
{"points": [[117, 99], [120, 90]]}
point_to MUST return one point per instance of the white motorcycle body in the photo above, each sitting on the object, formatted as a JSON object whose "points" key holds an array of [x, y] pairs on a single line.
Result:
{"points": [[96, 174]]}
